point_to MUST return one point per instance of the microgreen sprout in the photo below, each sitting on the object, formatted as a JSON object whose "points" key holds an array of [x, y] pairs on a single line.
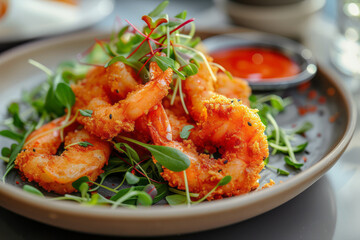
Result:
{"points": [[185, 132], [82, 144], [171, 158], [279, 139]]}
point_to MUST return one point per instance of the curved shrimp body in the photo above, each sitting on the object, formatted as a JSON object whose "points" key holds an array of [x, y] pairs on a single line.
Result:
{"points": [[238, 134], [197, 90], [39, 160], [243, 148], [201, 87], [108, 120], [233, 88], [121, 80], [109, 84], [90, 87]]}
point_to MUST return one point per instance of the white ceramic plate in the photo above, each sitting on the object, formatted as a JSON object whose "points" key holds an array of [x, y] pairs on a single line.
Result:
{"points": [[38, 18], [17, 74]]}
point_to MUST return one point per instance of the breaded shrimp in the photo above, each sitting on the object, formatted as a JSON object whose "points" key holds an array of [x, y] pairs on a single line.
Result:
{"points": [[39, 161], [235, 130], [110, 84], [108, 120], [233, 88], [201, 87], [197, 90]]}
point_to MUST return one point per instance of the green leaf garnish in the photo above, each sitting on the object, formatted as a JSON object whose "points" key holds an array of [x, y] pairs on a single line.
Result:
{"points": [[80, 181], [15, 152], [131, 178], [32, 190], [181, 15], [171, 158], [292, 163], [12, 135], [304, 128], [185, 132], [225, 180], [83, 189], [176, 199], [159, 9], [144, 199], [65, 94], [86, 113], [85, 144]]}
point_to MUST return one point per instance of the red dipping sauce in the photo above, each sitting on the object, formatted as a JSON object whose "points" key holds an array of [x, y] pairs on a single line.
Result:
{"points": [[256, 64]]}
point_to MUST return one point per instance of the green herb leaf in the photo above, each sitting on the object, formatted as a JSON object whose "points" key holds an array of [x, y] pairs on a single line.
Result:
{"points": [[14, 111], [225, 180], [129, 151], [176, 199], [52, 103], [162, 192], [278, 170], [282, 172], [181, 15], [131, 178], [190, 69], [185, 132], [300, 147], [266, 161], [80, 181], [85, 144], [171, 158], [125, 191], [14, 108], [144, 199], [253, 98], [83, 188], [277, 103], [12, 135], [122, 31], [5, 152], [15, 152], [304, 128], [292, 163], [32, 190], [65, 94], [86, 113], [159, 8], [165, 62]]}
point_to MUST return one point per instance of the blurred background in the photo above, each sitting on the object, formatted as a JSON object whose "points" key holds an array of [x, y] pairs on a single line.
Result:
{"points": [[330, 28]]}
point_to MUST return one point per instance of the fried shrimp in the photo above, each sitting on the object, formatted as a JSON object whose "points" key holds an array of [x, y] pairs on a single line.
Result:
{"points": [[233, 88], [41, 162], [201, 87], [108, 120], [110, 84], [235, 130]]}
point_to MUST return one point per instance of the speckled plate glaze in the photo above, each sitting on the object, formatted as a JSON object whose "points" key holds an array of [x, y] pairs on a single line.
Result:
{"points": [[328, 141]]}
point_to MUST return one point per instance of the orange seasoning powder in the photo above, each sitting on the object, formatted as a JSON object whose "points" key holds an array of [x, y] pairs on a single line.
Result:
{"points": [[256, 64]]}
